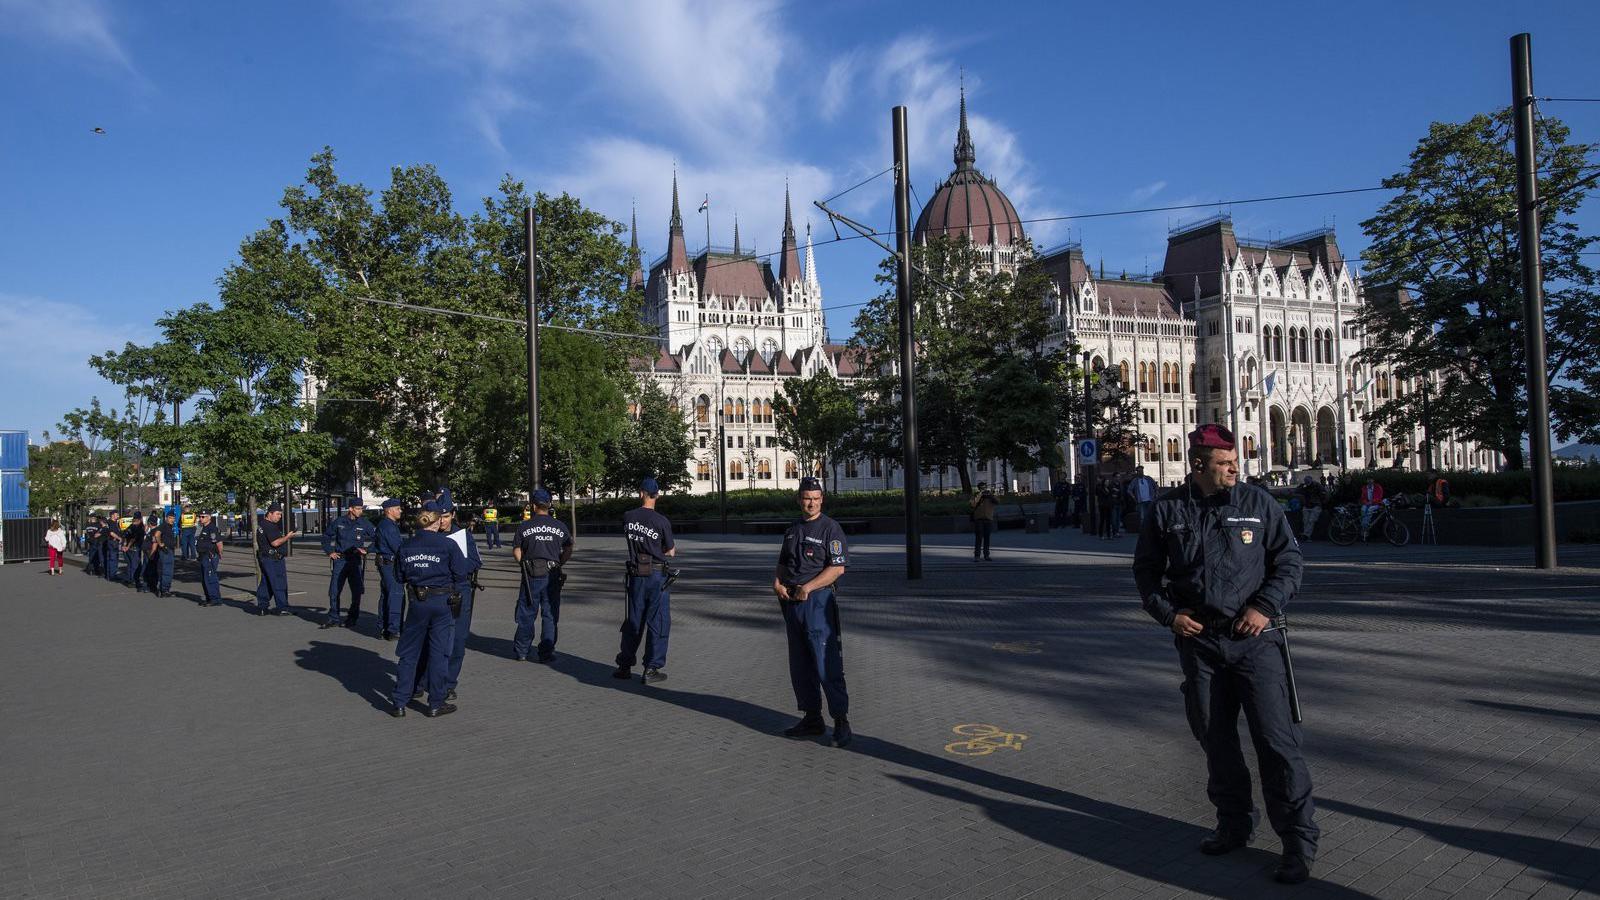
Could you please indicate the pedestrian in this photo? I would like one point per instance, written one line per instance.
(133, 552)
(1371, 502)
(111, 546)
(811, 562)
(1216, 564)
(1142, 491)
(542, 546)
(491, 528)
(434, 571)
(165, 551)
(92, 534)
(208, 546)
(1106, 504)
(983, 506)
(1312, 497)
(649, 615)
(152, 556)
(55, 542)
(391, 595)
(346, 541)
(1119, 498)
(186, 535)
(271, 540)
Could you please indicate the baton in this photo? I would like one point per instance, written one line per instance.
(1281, 623)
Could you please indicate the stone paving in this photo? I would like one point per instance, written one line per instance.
(154, 748)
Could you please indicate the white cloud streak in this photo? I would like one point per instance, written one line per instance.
(45, 367)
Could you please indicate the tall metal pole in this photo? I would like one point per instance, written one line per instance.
(531, 250)
(908, 395)
(1544, 510)
(722, 471)
(176, 422)
(1089, 505)
(1427, 426)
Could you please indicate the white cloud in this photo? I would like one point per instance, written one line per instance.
(1145, 192)
(838, 85)
(84, 25)
(45, 367)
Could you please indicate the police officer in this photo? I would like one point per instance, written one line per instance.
(543, 544)
(462, 610)
(270, 541)
(491, 528)
(649, 536)
(208, 543)
(133, 552)
(812, 560)
(166, 547)
(391, 596)
(92, 558)
(186, 535)
(435, 571)
(1216, 563)
(111, 546)
(346, 540)
(152, 553)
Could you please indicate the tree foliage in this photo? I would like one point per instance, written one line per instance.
(1449, 238)
(981, 338)
(655, 445)
(814, 418)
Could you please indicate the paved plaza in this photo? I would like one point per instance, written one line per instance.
(1019, 733)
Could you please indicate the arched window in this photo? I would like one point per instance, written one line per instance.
(1249, 445)
(763, 471)
(1194, 388)
(1097, 364)
(1174, 452)
(1305, 345)
(736, 470)
(769, 350)
(702, 471)
(1277, 343)
(702, 410)
(791, 469)
(738, 411)
(1123, 373)
(741, 348)
(1144, 378)
(727, 410)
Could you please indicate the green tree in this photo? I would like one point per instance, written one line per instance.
(656, 444)
(105, 434)
(62, 479)
(973, 325)
(1449, 240)
(815, 418)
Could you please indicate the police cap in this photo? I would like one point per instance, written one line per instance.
(809, 484)
(392, 502)
(274, 507)
(1213, 435)
(649, 486)
(541, 497)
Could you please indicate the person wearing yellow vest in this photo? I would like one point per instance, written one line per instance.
(186, 529)
(491, 527)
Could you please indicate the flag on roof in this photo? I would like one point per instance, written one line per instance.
(705, 204)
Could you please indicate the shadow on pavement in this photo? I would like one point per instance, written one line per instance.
(365, 673)
(1571, 865)
(1079, 824)
(1537, 710)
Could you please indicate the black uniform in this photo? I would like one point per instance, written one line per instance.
(816, 645)
(1215, 556)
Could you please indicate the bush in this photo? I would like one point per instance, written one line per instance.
(744, 503)
(1499, 488)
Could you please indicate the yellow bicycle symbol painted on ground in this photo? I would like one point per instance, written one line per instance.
(1019, 646)
(982, 740)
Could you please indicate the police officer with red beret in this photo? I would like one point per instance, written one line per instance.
(1216, 564)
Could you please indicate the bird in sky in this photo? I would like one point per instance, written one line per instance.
(99, 130)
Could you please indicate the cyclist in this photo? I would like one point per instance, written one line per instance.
(1371, 502)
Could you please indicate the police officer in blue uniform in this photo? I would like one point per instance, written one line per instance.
(813, 558)
(346, 540)
(542, 546)
(165, 553)
(94, 552)
(434, 571)
(208, 543)
(133, 552)
(649, 618)
(1216, 564)
(152, 558)
(270, 541)
(111, 546)
(468, 590)
(391, 595)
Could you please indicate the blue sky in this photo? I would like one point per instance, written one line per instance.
(211, 109)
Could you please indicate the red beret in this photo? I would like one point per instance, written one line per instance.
(1211, 436)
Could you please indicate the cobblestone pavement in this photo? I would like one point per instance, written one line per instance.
(154, 748)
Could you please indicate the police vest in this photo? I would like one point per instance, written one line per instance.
(188, 520)
(491, 515)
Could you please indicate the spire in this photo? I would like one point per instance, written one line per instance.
(789, 265)
(677, 252)
(966, 157)
(735, 234)
(635, 278)
(811, 260)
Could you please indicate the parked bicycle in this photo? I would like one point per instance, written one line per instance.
(1345, 527)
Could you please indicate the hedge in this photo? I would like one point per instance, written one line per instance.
(744, 503)
(1569, 483)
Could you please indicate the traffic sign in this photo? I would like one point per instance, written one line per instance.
(1088, 451)
(174, 475)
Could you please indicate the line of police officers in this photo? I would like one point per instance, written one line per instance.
(1216, 563)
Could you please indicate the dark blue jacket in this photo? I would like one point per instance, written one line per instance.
(1216, 554)
(345, 534)
(430, 559)
(389, 538)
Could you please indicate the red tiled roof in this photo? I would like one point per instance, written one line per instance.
(1137, 298)
(846, 360)
(730, 363)
(727, 276)
(783, 365)
(757, 365)
(1199, 254)
(969, 203)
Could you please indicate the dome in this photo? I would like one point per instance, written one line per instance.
(969, 202)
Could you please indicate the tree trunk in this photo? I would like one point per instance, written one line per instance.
(255, 534)
(966, 477)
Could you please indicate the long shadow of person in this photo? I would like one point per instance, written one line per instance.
(1537, 710)
(1129, 839)
(365, 673)
(1568, 864)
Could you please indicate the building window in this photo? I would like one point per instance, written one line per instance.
(702, 410)
(791, 469)
(851, 470)
(702, 471)
(1174, 452)
(741, 442)
(702, 442)
(764, 471)
(1172, 417)
(736, 470)
(1355, 447)
(877, 468)
(1149, 416)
